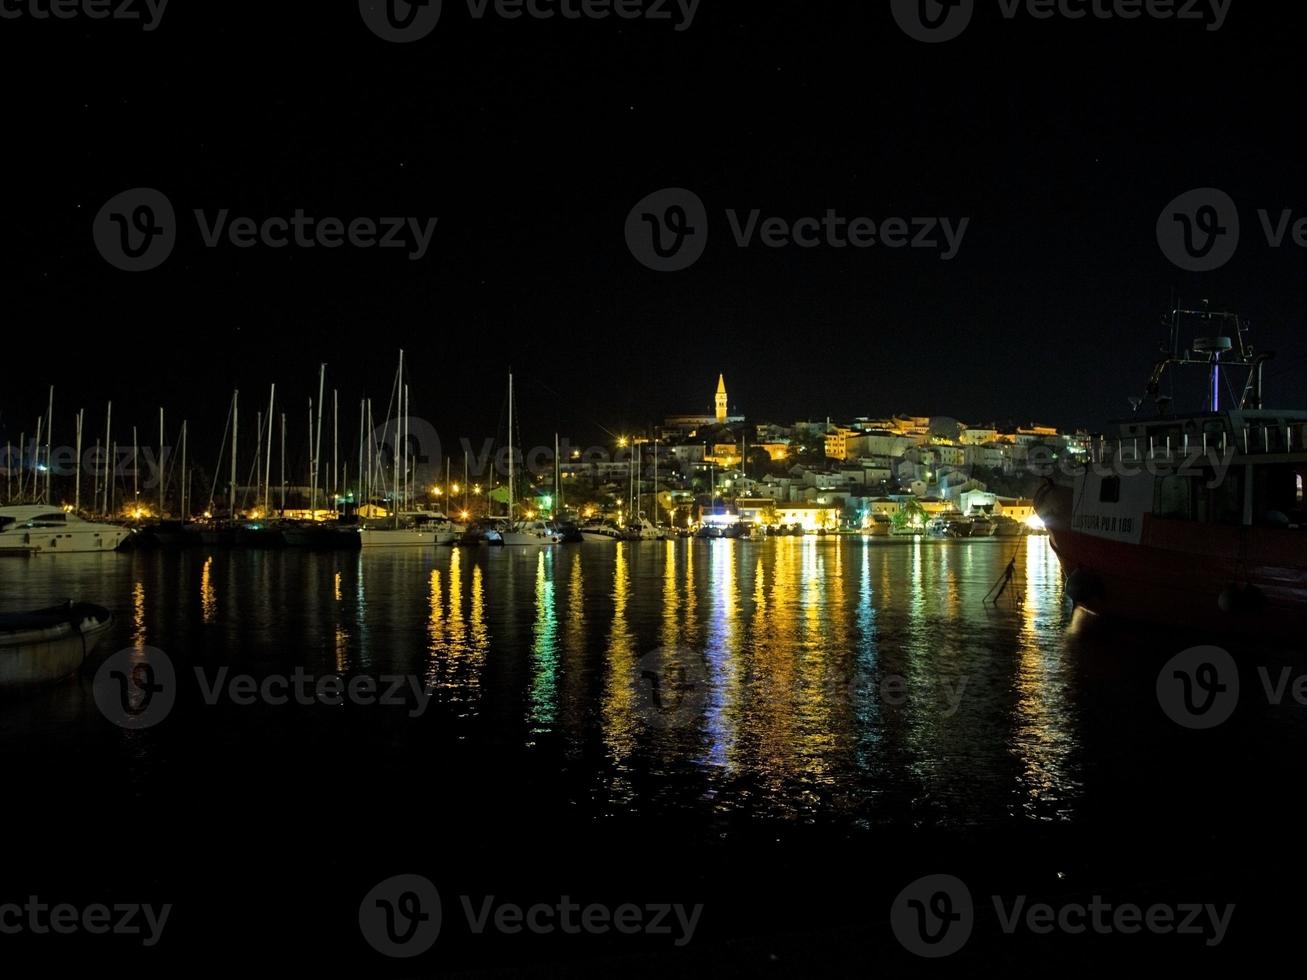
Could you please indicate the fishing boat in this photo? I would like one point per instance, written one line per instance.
(1196, 519)
(36, 529)
(48, 644)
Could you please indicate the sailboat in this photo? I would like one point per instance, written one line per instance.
(531, 533)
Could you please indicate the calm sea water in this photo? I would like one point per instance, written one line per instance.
(737, 723)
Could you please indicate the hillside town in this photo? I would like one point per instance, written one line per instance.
(878, 474)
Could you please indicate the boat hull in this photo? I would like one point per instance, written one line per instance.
(51, 645)
(1207, 578)
(396, 538)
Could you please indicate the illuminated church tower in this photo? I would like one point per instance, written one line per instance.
(721, 399)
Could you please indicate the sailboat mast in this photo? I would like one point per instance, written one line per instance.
(108, 470)
(162, 487)
(317, 442)
(399, 401)
(49, 445)
(408, 477)
(511, 498)
(359, 498)
(267, 456)
(235, 428)
(335, 446)
(77, 490)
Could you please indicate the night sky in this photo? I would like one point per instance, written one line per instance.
(531, 141)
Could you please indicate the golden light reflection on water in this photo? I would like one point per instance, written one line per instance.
(139, 636)
(619, 719)
(1043, 726)
(797, 635)
(455, 632)
(208, 596)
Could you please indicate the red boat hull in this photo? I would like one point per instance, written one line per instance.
(1210, 578)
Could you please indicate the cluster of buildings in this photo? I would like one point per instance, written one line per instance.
(823, 475)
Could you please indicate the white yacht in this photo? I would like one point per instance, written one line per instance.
(420, 529)
(39, 529)
(528, 533)
(600, 531)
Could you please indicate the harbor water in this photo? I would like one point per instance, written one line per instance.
(726, 723)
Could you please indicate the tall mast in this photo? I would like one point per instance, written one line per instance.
(77, 492)
(335, 447)
(408, 477)
(267, 456)
(358, 499)
(258, 455)
(49, 444)
(136, 469)
(108, 470)
(235, 428)
(655, 486)
(36, 461)
(162, 488)
(317, 441)
(558, 492)
(399, 401)
(511, 499)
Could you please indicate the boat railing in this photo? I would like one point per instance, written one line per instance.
(1262, 439)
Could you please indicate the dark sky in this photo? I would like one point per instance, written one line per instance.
(1061, 141)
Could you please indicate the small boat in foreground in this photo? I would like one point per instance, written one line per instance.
(48, 644)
